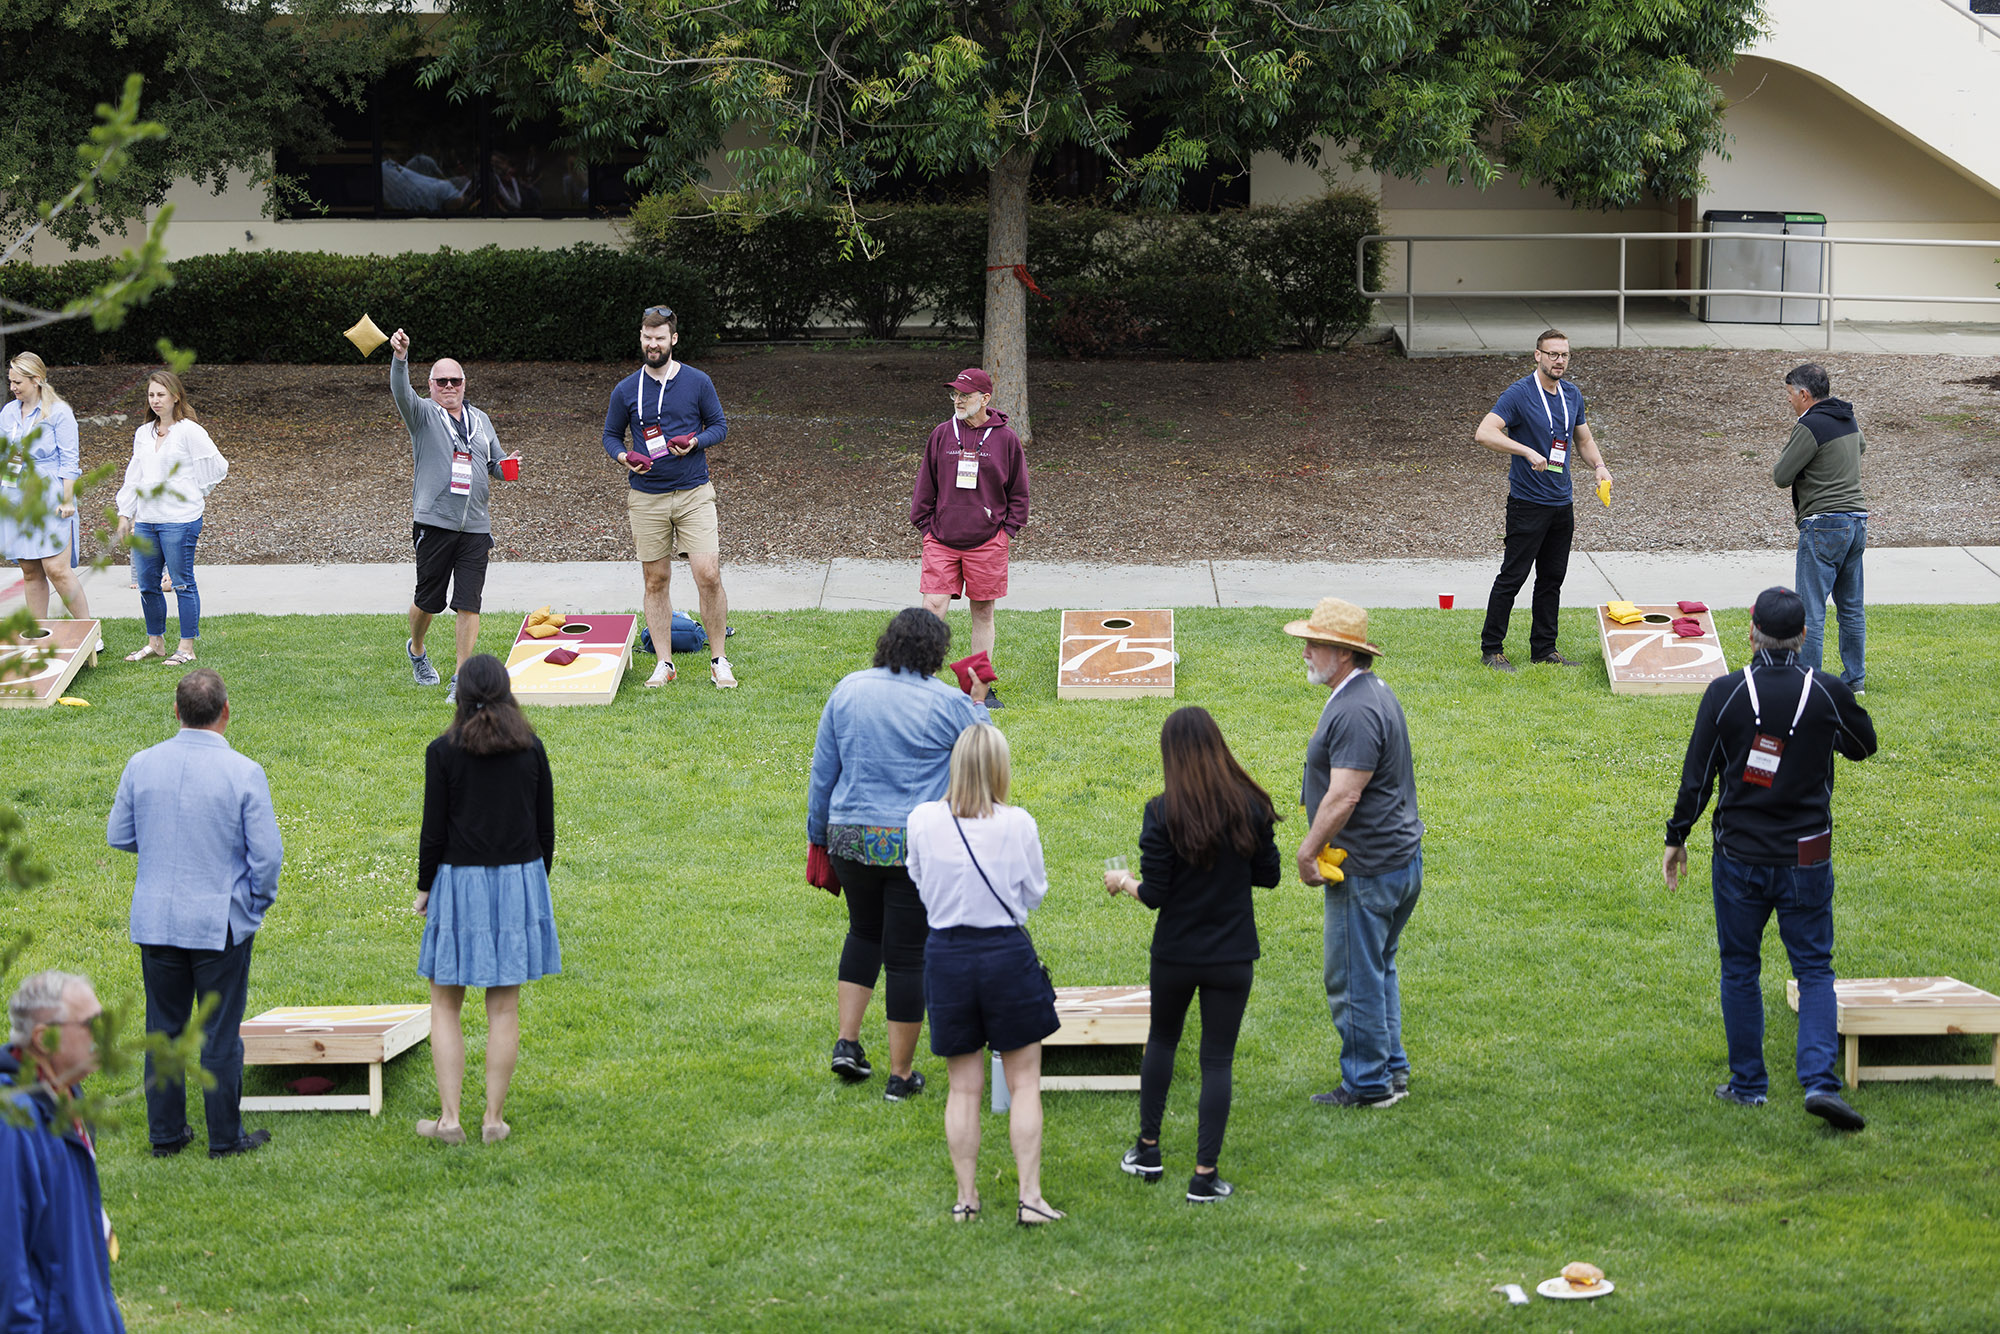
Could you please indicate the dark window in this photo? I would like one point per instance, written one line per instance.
(413, 152)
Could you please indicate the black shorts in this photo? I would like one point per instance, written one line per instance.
(445, 555)
(983, 987)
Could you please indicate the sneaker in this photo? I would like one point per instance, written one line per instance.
(1728, 1093)
(1347, 1097)
(1833, 1109)
(256, 1139)
(661, 674)
(1555, 659)
(1400, 1082)
(1204, 1187)
(1143, 1160)
(718, 672)
(901, 1088)
(993, 699)
(451, 691)
(420, 664)
(850, 1062)
(1497, 661)
(174, 1146)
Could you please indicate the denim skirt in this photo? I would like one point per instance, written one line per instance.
(489, 926)
(983, 987)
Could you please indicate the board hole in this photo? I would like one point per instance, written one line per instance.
(1657, 618)
(576, 629)
(1117, 623)
(41, 632)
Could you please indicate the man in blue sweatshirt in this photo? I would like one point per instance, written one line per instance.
(674, 418)
(1822, 466)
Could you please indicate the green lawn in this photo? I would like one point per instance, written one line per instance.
(681, 1157)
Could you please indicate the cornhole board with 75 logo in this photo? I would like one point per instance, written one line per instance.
(1648, 658)
(1115, 654)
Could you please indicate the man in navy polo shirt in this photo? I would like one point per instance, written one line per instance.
(1539, 420)
(673, 416)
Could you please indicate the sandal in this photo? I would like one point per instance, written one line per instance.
(179, 659)
(1043, 1216)
(443, 1134)
(147, 652)
(964, 1213)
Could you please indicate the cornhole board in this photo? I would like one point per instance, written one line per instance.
(332, 1035)
(1648, 658)
(1115, 654)
(1091, 1017)
(46, 660)
(603, 646)
(1908, 1007)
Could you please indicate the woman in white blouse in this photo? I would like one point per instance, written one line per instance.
(174, 467)
(45, 551)
(978, 866)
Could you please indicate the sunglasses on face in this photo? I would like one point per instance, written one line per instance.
(447, 381)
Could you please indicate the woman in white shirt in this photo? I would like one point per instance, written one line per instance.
(978, 867)
(174, 467)
(45, 551)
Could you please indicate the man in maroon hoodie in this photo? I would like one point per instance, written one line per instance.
(971, 498)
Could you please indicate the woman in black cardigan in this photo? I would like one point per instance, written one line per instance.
(488, 841)
(1205, 841)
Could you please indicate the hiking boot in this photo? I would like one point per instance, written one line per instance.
(1728, 1093)
(850, 1062)
(1206, 1187)
(1497, 661)
(1347, 1097)
(420, 664)
(1833, 1109)
(901, 1088)
(1142, 1160)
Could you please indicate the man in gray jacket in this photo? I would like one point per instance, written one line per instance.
(1822, 466)
(456, 453)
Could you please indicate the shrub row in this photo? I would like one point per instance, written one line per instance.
(580, 304)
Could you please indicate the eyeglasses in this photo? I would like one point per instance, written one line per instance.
(447, 381)
(664, 312)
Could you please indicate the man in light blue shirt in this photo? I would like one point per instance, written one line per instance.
(199, 816)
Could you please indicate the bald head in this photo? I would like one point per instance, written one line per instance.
(448, 384)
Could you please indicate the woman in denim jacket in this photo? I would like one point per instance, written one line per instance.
(46, 552)
(884, 748)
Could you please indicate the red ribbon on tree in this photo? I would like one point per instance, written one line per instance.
(1021, 272)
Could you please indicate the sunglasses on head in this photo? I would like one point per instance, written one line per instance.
(447, 381)
(664, 312)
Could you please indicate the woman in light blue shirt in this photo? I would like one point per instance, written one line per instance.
(45, 550)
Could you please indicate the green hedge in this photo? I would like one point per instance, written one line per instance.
(580, 304)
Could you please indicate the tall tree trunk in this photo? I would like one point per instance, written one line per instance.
(1006, 354)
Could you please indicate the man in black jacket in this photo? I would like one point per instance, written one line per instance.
(1769, 734)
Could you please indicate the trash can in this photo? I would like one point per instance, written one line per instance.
(1766, 266)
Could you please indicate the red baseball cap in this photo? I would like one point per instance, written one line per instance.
(972, 380)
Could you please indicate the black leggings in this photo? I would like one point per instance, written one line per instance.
(1225, 993)
(886, 926)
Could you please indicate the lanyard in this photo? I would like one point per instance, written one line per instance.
(639, 399)
(460, 426)
(1545, 407)
(959, 440)
(1757, 706)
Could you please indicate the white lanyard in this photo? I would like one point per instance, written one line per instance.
(461, 432)
(1757, 707)
(639, 399)
(1550, 415)
(959, 440)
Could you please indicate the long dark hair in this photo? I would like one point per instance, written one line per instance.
(1210, 802)
(488, 721)
(914, 641)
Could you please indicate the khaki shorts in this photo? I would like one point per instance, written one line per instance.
(674, 523)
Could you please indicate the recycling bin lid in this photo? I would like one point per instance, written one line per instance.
(1743, 215)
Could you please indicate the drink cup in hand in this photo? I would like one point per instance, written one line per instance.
(510, 468)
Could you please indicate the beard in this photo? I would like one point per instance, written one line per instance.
(1314, 676)
(961, 414)
(657, 357)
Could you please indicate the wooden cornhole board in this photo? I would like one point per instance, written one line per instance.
(1091, 1017)
(55, 652)
(603, 646)
(1909, 1007)
(1648, 658)
(332, 1035)
(1115, 654)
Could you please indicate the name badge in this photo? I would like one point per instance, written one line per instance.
(1558, 454)
(968, 473)
(655, 440)
(461, 473)
(1763, 762)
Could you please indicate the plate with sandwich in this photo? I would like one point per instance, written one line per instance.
(1580, 1279)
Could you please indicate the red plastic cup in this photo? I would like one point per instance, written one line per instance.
(1444, 601)
(510, 469)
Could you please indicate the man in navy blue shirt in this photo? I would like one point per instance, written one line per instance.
(1539, 421)
(673, 417)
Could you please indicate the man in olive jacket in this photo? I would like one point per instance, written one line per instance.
(1822, 466)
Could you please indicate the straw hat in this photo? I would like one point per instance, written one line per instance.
(1335, 622)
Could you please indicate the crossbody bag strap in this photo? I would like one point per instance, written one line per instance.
(1020, 926)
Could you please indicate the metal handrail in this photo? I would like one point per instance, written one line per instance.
(1824, 297)
(1964, 11)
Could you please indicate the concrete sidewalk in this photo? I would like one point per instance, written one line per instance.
(1719, 578)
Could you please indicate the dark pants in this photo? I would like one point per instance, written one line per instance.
(1225, 992)
(886, 927)
(1746, 897)
(175, 979)
(1538, 538)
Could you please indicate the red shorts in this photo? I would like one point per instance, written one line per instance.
(980, 574)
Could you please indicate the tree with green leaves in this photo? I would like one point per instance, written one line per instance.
(1605, 101)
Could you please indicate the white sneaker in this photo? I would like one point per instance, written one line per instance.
(718, 672)
(661, 674)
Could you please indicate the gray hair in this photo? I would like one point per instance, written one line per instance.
(1763, 643)
(1812, 378)
(39, 1002)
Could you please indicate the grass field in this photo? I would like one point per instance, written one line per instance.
(682, 1159)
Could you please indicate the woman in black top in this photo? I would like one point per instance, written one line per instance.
(1205, 841)
(489, 839)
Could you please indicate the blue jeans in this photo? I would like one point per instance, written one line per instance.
(172, 546)
(1365, 916)
(175, 979)
(1802, 897)
(1829, 562)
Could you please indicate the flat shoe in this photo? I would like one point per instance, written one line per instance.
(147, 652)
(179, 659)
(1040, 1217)
(442, 1134)
(494, 1134)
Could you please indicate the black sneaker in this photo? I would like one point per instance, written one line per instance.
(1347, 1097)
(1497, 661)
(993, 699)
(256, 1139)
(1399, 1082)
(1143, 1160)
(1205, 1187)
(901, 1088)
(850, 1062)
(173, 1146)
(1555, 659)
(1728, 1093)
(1833, 1109)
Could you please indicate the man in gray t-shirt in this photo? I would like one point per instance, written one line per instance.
(1360, 794)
